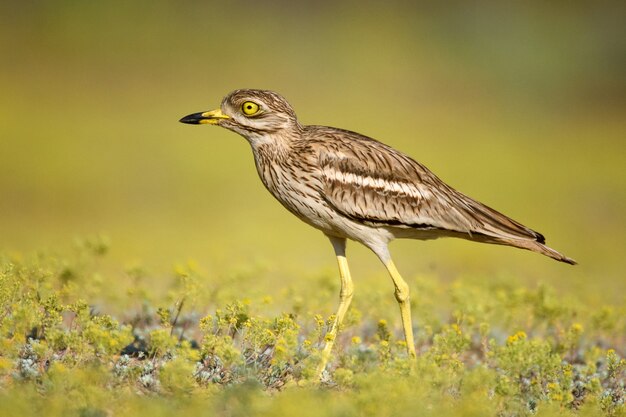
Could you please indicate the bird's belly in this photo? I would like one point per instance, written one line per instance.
(301, 197)
(305, 204)
(308, 204)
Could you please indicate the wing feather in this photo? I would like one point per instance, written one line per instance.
(368, 181)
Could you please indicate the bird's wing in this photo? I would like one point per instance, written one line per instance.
(370, 182)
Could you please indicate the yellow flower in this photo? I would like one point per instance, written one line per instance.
(577, 328)
(516, 337)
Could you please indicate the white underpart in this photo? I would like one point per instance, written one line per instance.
(381, 184)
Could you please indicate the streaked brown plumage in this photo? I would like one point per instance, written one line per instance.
(351, 186)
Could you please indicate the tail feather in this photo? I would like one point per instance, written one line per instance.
(544, 250)
(500, 229)
(535, 246)
(490, 226)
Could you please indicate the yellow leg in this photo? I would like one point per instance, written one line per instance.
(402, 295)
(345, 297)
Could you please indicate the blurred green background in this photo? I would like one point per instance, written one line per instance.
(520, 106)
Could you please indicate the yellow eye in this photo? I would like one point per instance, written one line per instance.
(249, 108)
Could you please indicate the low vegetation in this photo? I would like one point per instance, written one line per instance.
(493, 349)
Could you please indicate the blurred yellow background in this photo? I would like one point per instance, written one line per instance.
(519, 106)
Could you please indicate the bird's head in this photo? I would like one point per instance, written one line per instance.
(251, 113)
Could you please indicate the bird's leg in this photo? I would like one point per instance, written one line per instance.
(345, 297)
(402, 295)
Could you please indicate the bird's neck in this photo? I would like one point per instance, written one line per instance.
(269, 148)
(271, 158)
(278, 143)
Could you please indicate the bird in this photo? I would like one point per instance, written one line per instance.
(351, 186)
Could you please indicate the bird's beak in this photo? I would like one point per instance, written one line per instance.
(204, 118)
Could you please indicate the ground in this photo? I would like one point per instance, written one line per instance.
(484, 348)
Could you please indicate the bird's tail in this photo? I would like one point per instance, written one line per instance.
(531, 245)
(544, 250)
(497, 228)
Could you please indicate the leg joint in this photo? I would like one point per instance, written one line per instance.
(402, 292)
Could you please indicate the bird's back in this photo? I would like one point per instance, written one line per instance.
(376, 185)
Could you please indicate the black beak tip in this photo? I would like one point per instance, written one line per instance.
(192, 119)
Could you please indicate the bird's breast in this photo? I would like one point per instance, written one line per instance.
(295, 185)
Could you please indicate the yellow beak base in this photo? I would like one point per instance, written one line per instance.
(205, 118)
